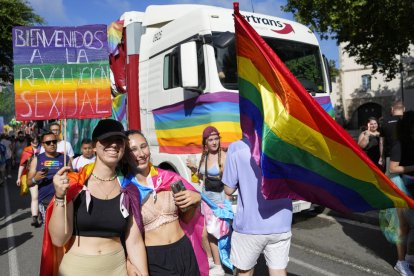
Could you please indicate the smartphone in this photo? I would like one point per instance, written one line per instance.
(177, 186)
(44, 170)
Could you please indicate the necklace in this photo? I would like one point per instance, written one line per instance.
(107, 194)
(105, 180)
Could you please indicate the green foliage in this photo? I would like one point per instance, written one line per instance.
(7, 104)
(13, 13)
(333, 71)
(376, 31)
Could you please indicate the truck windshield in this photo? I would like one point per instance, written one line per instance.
(302, 59)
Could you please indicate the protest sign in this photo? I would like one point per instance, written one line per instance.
(61, 72)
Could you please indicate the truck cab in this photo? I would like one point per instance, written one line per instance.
(189, 50)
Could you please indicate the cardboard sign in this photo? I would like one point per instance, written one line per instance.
(61, 72)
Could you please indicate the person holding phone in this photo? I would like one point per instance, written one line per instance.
(42, 169)
(172, 221)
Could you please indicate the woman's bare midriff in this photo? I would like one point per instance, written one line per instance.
(94, 245)
(165, 234)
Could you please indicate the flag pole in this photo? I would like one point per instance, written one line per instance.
(236, 7)
(64, 164)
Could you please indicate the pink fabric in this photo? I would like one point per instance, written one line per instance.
(215, 226)
(194, 228)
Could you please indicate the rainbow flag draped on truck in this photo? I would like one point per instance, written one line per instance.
(303, 153)
(179, 126)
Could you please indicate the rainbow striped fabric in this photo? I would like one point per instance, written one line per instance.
(61, 72)
(115, 36)
(303, 153)
(179, 127)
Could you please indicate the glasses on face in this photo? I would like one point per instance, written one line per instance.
(50, 142)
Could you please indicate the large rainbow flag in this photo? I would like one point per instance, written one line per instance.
(61, 72)
(179, 126)
(303, 153)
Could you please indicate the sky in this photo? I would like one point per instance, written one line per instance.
(84, 12)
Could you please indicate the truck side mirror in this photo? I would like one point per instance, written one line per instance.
(189, 65)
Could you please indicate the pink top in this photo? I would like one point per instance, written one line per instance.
(159, 211)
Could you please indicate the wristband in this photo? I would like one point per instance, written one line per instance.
(59, 198)
(59, 202)
(34, 181)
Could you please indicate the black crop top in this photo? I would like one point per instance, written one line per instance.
(103, 220)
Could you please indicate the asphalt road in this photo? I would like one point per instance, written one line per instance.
(321, 245)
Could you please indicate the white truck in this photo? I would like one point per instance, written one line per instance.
(177, 48)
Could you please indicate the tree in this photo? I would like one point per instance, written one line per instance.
(377, 32)
(7, 104)
(13, 13)
(333, 71)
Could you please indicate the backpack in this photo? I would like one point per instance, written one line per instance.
(2, 154)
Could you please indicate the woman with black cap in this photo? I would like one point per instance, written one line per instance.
(99, 212)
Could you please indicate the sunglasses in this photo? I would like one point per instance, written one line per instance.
(50, 142)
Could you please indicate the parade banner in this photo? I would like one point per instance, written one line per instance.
(61, 72)
(302, 152)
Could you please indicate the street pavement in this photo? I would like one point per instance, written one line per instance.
(326, 244)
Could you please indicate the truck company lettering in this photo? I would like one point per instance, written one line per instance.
(281, 28)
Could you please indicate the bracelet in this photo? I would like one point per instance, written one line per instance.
(59, 202)
(58, 197)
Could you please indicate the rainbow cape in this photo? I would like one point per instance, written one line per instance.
(303, 153)
(179, 126)
(52, 255)
(162, 179)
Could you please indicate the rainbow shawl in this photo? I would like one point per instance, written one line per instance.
(52, 255)
(224, 213)
(162, 180)
(302, 152)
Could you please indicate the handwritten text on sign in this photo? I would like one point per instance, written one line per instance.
(61, 72)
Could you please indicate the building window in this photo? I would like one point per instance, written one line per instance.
(366, 82)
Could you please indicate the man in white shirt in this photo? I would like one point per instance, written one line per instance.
(55, 128)
(87, 157)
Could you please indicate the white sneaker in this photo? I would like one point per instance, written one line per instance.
(409, 259)
(403, 268)
(217, 270)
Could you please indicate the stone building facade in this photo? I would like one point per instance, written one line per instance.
(359, 94)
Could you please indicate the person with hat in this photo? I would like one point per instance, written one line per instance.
(210, 170)
(91, 213)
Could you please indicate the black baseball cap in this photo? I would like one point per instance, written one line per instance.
(107, 128)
